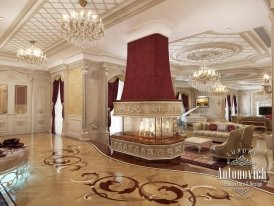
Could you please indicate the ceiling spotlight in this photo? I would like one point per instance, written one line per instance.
(1, 17)
(228, 29)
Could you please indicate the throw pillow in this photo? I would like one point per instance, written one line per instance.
(221, 127)
(205, 126)
(212, 127)
(230, 127)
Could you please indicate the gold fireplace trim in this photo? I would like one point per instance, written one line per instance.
(148, 108)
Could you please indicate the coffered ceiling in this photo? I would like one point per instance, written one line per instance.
(231, 36)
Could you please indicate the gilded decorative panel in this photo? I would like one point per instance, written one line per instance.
(75, 92)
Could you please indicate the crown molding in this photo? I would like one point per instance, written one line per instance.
(58, 68)
(134, 7)
(57, 47)
(111, 66)
(7, 56)
(27, 12)
(251, 38)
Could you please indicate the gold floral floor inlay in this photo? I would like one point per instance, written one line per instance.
(69, 172)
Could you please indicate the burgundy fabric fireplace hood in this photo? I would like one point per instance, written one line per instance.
(148, 90)
(148, 75)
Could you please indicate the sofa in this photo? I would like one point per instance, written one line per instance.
(217, 131)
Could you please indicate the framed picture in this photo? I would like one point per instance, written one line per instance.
(202, 101)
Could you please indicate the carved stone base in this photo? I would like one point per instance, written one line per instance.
(148, 151)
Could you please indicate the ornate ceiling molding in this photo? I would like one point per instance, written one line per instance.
(111, 66)
(28, 11)
(42, 16)
(208, 52)
(58, 68)
(218, 49)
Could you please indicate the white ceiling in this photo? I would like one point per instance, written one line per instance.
(195, 25)
(5, 11)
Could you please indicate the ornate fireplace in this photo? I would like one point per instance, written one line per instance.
(148, 104)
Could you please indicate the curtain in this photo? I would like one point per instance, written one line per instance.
(112, 95)
(235, 104)
(54, 99)
(185, 101)
(62, 95)
(177, 95)
(229, 107)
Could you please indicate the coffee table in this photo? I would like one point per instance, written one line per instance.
(198, 142)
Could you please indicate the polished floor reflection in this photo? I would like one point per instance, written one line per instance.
(64, 171)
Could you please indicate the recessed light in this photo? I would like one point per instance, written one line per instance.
(228, 29)
(1, 17)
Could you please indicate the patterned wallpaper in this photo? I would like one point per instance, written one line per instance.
(75, 92)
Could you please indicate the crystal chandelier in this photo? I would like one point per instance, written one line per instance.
(82, 28)
(266, 84)
(220, 91)
(32, 56)
(205, 79)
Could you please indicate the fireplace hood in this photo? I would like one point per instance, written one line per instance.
(148, 90)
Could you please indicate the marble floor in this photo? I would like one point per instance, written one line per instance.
(64, 171)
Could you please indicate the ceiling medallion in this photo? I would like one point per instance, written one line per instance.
(207, 52)
(83, 28)
(32, 56)
(205, 79)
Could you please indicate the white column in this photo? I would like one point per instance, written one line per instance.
(95, 109)
(84, 102)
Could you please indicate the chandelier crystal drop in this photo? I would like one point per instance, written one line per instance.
(220, 91)
(266, 84)
(83, 28)
(32, 56)
(205, 79)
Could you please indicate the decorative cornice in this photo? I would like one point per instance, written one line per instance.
(57, 47)
(111, 66)
(84, 64)
(58, 68)
(23, 70)
(120, 14)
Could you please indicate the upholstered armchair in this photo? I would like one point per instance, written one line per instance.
(247, 137)
(229, 149)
